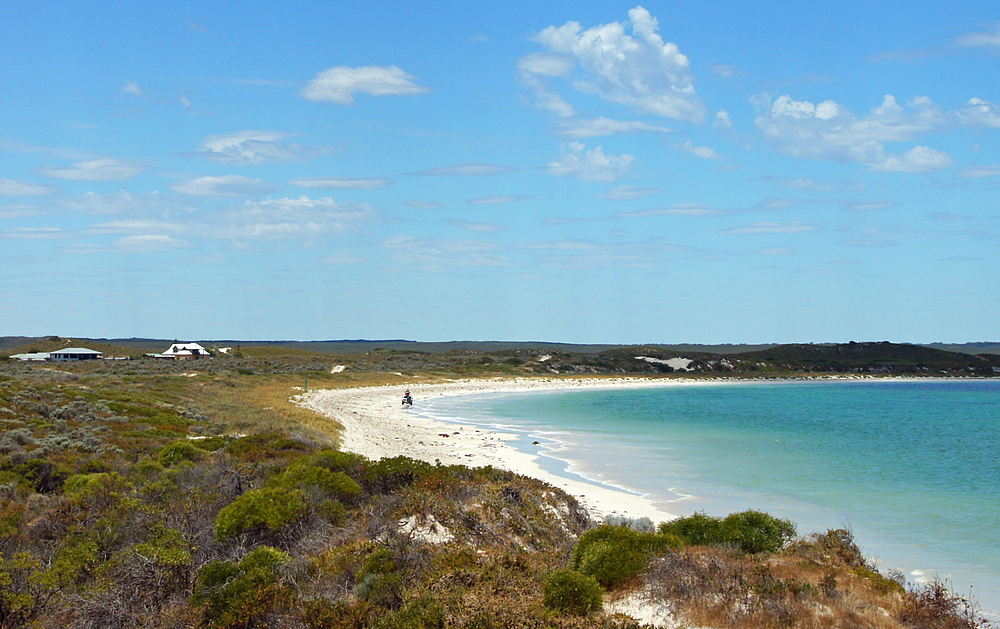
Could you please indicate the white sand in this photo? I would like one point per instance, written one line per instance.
(376, 426)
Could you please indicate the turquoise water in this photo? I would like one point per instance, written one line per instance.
(912, 467)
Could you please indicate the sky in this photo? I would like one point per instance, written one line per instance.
(580, 172)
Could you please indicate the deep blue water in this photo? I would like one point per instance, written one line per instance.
(912, 467)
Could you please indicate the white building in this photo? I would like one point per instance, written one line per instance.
(75, 353)
(185, 351)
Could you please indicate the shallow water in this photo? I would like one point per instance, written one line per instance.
(912, 467)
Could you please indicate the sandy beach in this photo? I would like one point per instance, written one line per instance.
(377, 426)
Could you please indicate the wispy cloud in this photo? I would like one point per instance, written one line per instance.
(339, 85)
(132, 88)
(771, 228)
(481, 227)
(301, 218)
(681, 209)
(627, 193)
(989, 39)
(498, 199)
(579, 129)
(979, 172)
(99, 169)
(256, 147)
(703, 152)
(224, 186)
(465, 170)
(424, 205)
(342, 183)
(15, 188)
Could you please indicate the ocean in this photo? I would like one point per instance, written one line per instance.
(912, 467)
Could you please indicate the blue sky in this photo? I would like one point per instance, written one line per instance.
(588, 172)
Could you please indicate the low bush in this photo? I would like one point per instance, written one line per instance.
(270, 509)
(244, 593)
(613, 554)
(750, 531)
(183, 450)
(572, 592)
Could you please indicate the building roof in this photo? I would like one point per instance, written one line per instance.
(185, 349)
(76, 350)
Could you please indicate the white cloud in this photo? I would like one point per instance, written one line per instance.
(638, 70)
(681, 209)
(703, 152)
(989, 40)
(590, 165)
(136, 226)
(15, 188)
(255, 147)
(34, 233)
(465, 170)
(147, 243)
(829, 131)
(919, 159)
(979, 172)
(498, 199)
(980, 113)
(303, 217)
(792, 227)
(722, 120)
(99, 169)
(443, 255)
(342, 183)
(338, 85)
(627, 193)
(424, 205)
(132, 88)
(122, 202)
(481, 227)
(723, 70)
(224, 186)
(579, 129)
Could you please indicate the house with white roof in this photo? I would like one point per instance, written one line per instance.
(185, 351)
(76, 353)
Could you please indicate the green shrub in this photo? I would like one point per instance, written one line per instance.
(573, 592)
(698, 529)
(750, 531)
(173, 453)
(757, 532)
(388, 475)
(264, 446)
(336, 484)
(242, 594)
(613, 554)
(270, 509)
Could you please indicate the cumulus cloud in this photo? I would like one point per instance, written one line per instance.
(255, 147)
(224, 186)
(627, 193)
(15, 188)
(638, 70)
(465, 170)
(590, 165)
(99, 169)
(339, 85)
(580, 129)
(827, 130)
(342, 183)
(980, 113)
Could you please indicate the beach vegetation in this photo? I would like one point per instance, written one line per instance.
(750, 531)
(573, 592)
(109, 518)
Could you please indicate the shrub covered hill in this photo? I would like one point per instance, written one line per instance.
(166, 495)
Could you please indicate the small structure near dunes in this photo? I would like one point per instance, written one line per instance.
(76, 353)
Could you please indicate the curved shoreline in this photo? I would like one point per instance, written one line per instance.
(376, 426)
